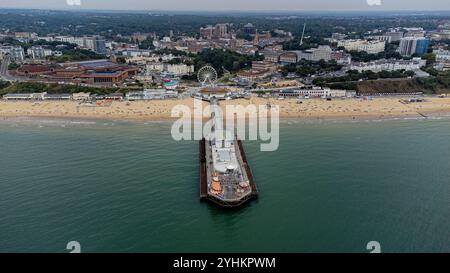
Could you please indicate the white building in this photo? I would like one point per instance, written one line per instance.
(442, 55)
(17, 96)
(415, 33)
(442, 66)
(180, 69)
(440, 35)
(38, 52)
(385, 38)
(390, 65)
(316, 54)
(317, 92)
(95, 43)
(24, 96)
(70, 39)
(395, 35)
(16, 53)
(46, 38)
(136, 53)
(371, 47)
(338, 36)
(151, 94)
(81, 96)
(175, 69)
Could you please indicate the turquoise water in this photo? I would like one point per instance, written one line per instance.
(128, 187)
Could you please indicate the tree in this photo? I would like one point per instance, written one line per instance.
(244, 36)
(220, 59)
(147, 44)
(13, 66)
(4, 84)
(430, 57)
(121, 60)
(175, 61)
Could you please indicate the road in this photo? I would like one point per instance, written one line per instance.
(4, 70)
(4, 67)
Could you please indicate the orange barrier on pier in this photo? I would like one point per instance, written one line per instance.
(205, 196)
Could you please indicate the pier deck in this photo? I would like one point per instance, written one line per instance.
(247, 169)
(225, 176)
(206, 176)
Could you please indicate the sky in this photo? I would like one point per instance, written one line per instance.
(247, 5)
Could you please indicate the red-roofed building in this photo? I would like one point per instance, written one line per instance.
(34, 70)
(100, 72)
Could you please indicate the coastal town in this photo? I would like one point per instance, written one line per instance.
(336, 73)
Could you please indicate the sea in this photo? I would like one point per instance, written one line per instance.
(332, 186)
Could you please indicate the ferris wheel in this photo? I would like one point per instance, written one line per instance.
(207, 75)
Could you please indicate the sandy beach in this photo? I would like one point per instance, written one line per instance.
(289, 108)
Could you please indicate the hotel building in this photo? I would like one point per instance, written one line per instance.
(412, 45)
(371, 47)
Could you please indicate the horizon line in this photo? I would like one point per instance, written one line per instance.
(78, 9)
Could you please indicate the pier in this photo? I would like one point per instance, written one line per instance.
(226, 178)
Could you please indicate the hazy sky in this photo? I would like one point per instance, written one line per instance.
(231, 4)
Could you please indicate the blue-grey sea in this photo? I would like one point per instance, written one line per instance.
(332, 186)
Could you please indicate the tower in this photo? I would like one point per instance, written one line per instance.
(256, 39)
(303, 34)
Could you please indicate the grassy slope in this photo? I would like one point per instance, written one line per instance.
(400, 86)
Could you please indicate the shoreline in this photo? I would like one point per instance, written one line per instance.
(312, 109)
(77, 119)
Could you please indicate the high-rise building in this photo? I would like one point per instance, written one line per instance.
(221, 30)
(413, 45)
(89, 43)
(407, 46)
(95, 43)
(214, 32)
(422, 46)
(100, 45)
(206, 32)
(249, 29)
